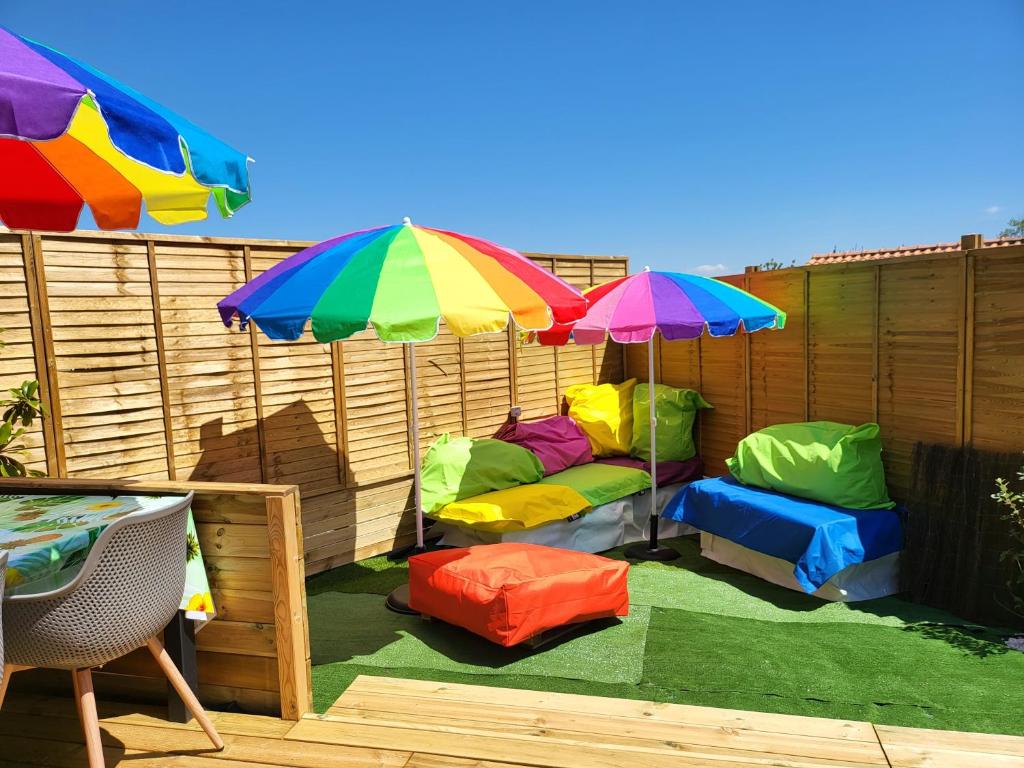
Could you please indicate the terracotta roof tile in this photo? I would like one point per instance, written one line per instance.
(840, 257)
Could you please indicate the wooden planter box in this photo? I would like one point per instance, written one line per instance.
(255, 655)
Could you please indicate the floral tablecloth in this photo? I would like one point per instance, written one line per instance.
(48, 538)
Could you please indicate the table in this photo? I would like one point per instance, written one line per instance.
(48, 538)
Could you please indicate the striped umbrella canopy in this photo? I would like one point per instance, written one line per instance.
(679, 306)
(402, 280)
(72, 136)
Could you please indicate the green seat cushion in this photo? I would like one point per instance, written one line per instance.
(675, 410)
(820, 460)
(601, 483)
(456, 468)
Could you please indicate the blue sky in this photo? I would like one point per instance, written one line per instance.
(679, 133)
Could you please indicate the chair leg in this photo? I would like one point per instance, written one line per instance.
(8, 671)
(183, 691)
(90, 719)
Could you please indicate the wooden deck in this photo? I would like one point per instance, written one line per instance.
(395, 723)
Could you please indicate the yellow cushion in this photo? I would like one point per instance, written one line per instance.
(514, 509)
(605, 413)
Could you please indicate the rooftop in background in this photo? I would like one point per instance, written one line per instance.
(966, 242)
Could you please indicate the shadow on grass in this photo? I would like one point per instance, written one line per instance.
(972, 640)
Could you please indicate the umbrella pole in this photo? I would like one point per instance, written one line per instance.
(416, 479)
(652, 550)
(398, 599)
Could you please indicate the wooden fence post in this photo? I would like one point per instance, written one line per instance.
(39, 310)
(161, 360)
(254, 345)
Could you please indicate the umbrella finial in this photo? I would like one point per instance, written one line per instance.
(646, 269)
(407, 221)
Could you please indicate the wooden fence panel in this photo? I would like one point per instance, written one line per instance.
(22, 355)
(778, 360)
(842, 344)
(995, 362)
(210, 401)
(920, 326)
(106, 367)
(297, 403)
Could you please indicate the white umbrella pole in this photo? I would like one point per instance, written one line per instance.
(650, 549)
(416, 482)
(654, 443)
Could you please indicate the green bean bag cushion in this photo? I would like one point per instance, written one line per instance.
(675, 410)
(456, 468)
(824, 461)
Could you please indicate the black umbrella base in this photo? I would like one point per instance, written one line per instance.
(643, 551)
(398, 601)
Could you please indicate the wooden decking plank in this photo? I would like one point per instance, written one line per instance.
(623, 708)
(499, 745)
(609, 730)
(422, 760)
(138, 714)
(192, 742)
(928, 748)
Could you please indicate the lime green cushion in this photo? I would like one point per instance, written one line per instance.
(675, 410)
(820, 460)
(459, 467)
(601, 483)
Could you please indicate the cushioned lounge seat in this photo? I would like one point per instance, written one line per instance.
(510, 593)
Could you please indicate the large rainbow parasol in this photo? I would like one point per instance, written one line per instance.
(72, 136)
(403, 280)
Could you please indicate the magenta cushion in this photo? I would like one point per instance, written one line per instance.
(668, 471)
(557, 441)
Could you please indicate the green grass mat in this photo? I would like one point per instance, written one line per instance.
(699, 633)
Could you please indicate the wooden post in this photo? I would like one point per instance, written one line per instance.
(748, 396)
(161, 362)
(254, 345)
(967, 364)
(807, 344)
(37, 321)
(876, 342)
(42, 301)
(289, 592)
(971, 242)
(340, 423)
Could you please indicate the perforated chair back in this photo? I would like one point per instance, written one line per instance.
(127, 591)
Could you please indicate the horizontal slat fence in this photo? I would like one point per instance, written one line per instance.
(142, 381)
(932, 348)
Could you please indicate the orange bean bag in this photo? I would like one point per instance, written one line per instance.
(509, 593)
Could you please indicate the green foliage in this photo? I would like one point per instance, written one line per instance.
(22, 408)
(1013, 505)
(773, 264)
(1014, 228)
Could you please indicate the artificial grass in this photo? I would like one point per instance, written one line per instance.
(699, 633)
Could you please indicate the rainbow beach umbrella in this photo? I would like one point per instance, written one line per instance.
(402, 281)
(678, 306)
(72, 136)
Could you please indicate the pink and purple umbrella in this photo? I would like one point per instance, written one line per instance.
(678, 306)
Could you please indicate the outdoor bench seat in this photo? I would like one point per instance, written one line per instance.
(831, 552)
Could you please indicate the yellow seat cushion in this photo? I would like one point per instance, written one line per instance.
(514, 509)
(605, 413)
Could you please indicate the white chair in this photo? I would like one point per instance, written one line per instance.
(125, 594)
